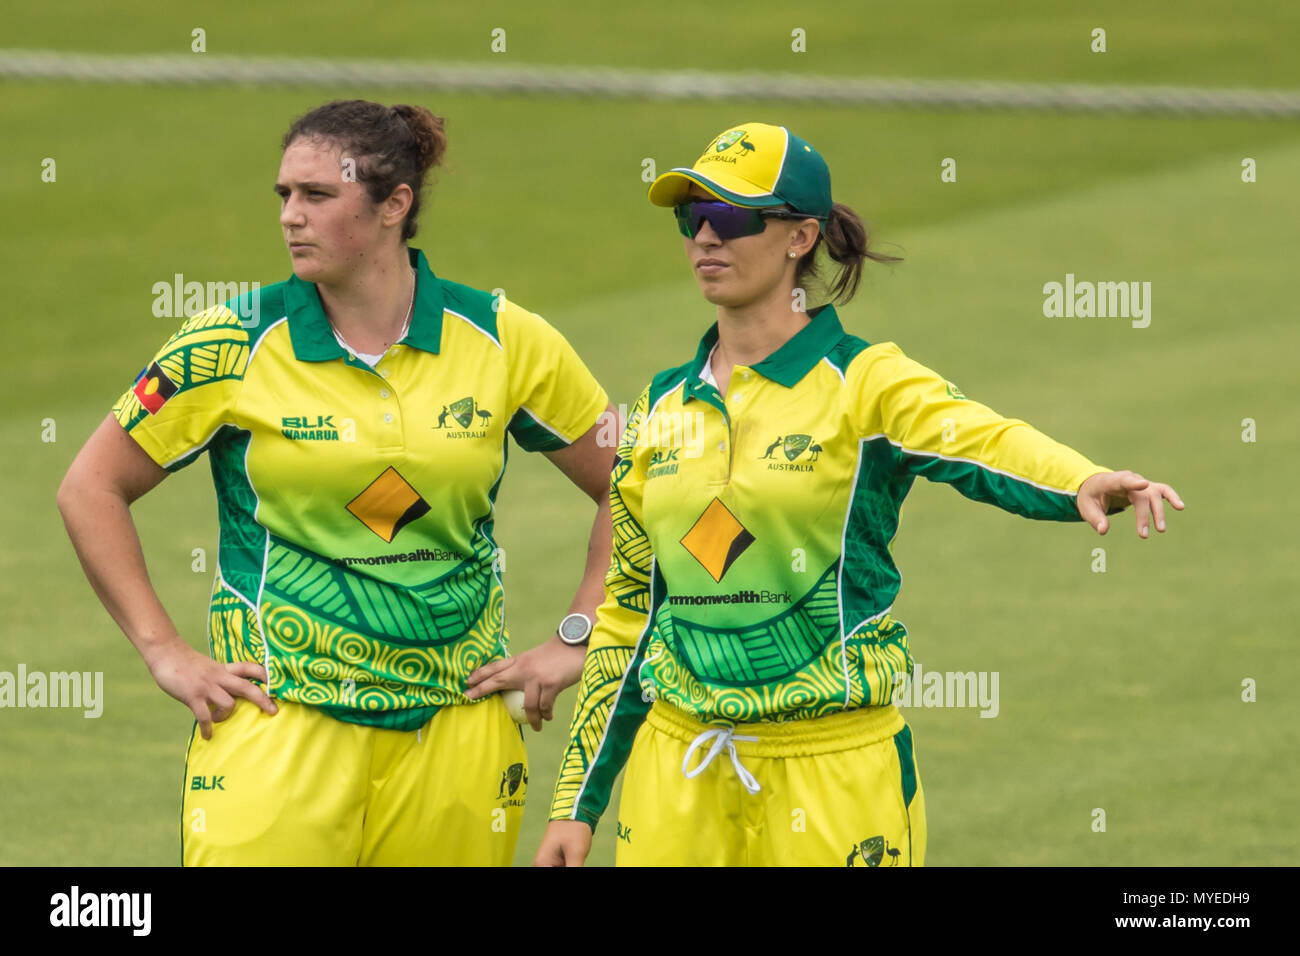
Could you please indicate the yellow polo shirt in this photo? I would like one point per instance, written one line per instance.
(356, 559)
(752, 576)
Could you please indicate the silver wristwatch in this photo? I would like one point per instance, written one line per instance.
(575, 629)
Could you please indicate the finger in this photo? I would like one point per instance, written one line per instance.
(1158, 509)
(1173, 497)
(530, 705)
(220, 704)
(249, 691)
(546, 702)
(1091, 512)
(1142, 508)
(204, 717)
(498, 682)
(1134, 482)
(247, 669)
(488, 670)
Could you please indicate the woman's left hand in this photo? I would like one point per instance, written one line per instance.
(1111, 489)
(540, 673)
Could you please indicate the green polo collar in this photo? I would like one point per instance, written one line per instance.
(313, 337)
(787, 365)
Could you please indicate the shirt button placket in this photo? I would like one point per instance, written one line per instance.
(386, 393)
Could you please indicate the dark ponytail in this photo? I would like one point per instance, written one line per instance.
(846, 241)
(391, 146)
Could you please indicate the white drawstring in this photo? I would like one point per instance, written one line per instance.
(723, 737)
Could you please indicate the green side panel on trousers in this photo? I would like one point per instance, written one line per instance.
(903, 743)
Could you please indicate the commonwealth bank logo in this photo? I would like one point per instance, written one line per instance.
(388, 504)
(717, 539)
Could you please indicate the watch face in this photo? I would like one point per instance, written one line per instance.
(575, 628)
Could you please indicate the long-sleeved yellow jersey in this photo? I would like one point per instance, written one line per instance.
(752, 576)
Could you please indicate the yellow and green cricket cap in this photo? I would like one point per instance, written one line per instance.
(754, 164)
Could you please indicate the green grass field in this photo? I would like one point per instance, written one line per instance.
(1118, 690)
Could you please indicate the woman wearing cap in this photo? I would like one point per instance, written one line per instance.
(355, 418)
(744, 661)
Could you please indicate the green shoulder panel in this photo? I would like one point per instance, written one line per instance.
(663, 383)
(479, 307)
(843, 354)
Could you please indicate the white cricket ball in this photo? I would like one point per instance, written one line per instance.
(513, 698)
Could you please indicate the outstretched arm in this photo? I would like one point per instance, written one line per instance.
(940, 434)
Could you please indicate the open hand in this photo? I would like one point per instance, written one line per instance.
(1112, 489)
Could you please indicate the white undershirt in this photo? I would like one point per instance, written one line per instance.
(370, 359)
(706, 373)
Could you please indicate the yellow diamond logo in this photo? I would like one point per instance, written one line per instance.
(388, 505)
(717, 539)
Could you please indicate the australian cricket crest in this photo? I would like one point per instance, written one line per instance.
(795, 445)
(463, 411)
(512, 778)
(871, 852)
(728, 139)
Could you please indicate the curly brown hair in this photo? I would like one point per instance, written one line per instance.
(392, 145)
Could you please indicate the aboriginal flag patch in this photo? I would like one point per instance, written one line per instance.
(153, 388)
